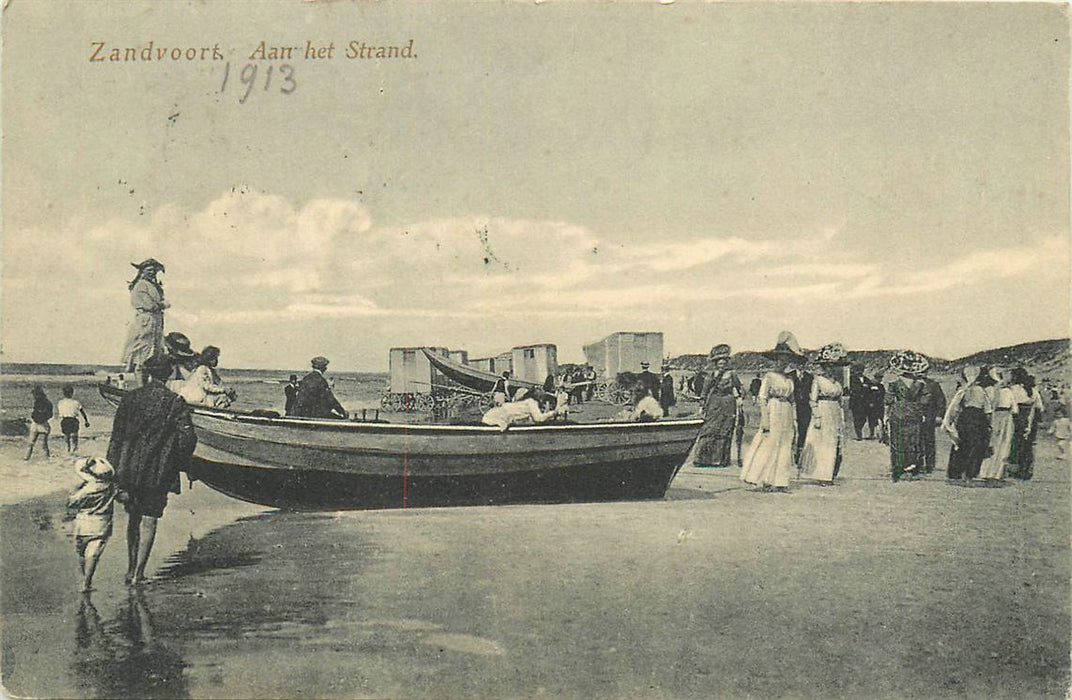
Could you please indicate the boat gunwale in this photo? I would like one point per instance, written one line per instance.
(340, 425)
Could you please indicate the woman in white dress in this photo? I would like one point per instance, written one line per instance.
(1002, 429)
(821, 457)
(204, 386)
(145, 332)
(768, 462)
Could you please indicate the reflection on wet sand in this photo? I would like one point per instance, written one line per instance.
(123, 657)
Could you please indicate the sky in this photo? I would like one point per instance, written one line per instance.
(880, 175)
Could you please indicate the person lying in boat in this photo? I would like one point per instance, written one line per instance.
(647, 408)
(204, 386)
(522, 409)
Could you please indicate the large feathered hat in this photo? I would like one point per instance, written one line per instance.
(832, 354)
(787, 349)
(910, 363)
(149, 262)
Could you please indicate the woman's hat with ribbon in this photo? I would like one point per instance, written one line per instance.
(178, 345)
(148, 263)
(909, 363)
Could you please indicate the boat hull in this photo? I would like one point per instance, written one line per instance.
(308, 464)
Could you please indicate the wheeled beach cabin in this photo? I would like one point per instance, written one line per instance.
(411, 372)
(623, 352)
(532, 363)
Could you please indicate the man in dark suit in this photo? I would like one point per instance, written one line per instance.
(802, 381)
(859, 399)
(649, 379)
(290, 389)
(314, 398)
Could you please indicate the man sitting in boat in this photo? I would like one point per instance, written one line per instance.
(523, 408)
(315, 399)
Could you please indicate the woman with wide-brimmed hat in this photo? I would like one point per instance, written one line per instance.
(820, 458)
(967, 420)
(720, 399)
(1002, 427)
(145, 332)
(906, 412)
(768, 462)
(1025, 421)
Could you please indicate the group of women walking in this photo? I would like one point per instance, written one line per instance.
(992, 419)
(993, 422)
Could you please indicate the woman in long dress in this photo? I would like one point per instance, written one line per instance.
(820, 458)
(721, 399)
(204, 385)
(967, 420)
(1029, 409)
(1002, 429)
(145, 332)
(768, 462)
(906, 410)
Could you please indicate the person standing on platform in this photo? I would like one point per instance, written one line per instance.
(315, 398)
(145, 332)
(152, 441)
(906, 411)
(935, 404)
(768, 462)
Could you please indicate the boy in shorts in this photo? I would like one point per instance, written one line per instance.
(94, 502)
(69, 409)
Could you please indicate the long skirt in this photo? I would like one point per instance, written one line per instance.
(145, 339)
(822, 446)
(1002, 429)
(973, 427)
(1022, 451)
(715, 443)
(769, 459)
(906, 443)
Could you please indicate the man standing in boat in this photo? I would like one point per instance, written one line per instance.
(314, 398)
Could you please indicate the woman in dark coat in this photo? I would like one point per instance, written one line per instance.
(720, 399)
(905, 413)
(666, 394)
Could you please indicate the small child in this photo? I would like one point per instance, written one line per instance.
(69, 409)
(95, 502)
(1062, 430)
(39, 418)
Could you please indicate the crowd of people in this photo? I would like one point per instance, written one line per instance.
(992, 419)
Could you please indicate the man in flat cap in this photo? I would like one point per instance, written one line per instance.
(314, 398)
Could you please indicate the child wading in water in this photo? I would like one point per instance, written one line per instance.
(69, 409)
(95, 502)
(39, 418)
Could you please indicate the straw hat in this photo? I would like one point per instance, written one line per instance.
(909, 363)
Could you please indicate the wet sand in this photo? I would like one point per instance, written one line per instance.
(865, 589)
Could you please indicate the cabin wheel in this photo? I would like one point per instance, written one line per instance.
(618, 394)
(425, 402)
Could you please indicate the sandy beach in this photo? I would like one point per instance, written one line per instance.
(865, 589)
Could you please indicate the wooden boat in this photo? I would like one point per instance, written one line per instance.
(315, 464)
(471, 377)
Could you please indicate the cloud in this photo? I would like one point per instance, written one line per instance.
(252, 264)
